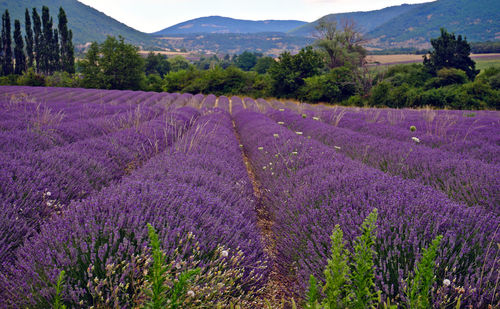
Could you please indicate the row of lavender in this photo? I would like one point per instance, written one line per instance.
(462, 178)
(474, 134)
(310, 187)
(69, 208)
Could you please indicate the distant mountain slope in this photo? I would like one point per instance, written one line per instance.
(87, 23)
(366, 21)
(478, 20)
(218, 24)
(271, 43)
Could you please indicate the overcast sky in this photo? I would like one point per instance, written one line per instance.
(155, 15)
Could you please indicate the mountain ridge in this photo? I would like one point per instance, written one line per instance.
(221, 24)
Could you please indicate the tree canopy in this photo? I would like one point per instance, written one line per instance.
(113, 64)
(450, 52)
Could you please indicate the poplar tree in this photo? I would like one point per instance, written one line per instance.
(7, 67)
(28, 38)
(55, 60)
(47, 37)
(37, 30)
(19, 49)
(67, 50)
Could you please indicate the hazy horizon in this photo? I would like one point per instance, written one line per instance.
(154, 15)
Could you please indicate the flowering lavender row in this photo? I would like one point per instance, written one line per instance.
(181, 100)
(208, 102)
(46, 136)
(250, 104)
(264, 106)
(310, 188)
(208, 196)
(236, 105)
(38, 184)
(223, 103)
(33, 114)
(462, 178)
(448, 126)
(474, 148)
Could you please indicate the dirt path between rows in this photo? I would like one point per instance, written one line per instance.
(277, 289)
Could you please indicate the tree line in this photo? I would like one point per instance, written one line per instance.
(332, 70)
(45, 49)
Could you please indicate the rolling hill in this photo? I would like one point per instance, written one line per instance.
(366, 21)
(414, 25)
(87, 23)
(219, 24)
(478, 20)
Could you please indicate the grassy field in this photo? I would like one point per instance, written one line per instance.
(382, 62)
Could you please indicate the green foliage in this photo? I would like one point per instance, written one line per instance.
(313, 295)
(341, 46)
(7, 67)
(335, 86)
(412, 86)
(157, 273)
(31, 78)
(247, 60)
(445, 77)
(113, 64)
(67, 49)
(418, 290)
(28, 37)
(57, 298)
(289, 72)
(157, 64)
(263, 65)
(337, 273)
(349, 281)
(20, 58)
(350, 277)
(362, 275)
(450, 52)
(178, 63)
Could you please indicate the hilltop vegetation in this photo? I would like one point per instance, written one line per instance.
(219, 24)
(477, 20)
(87, 23)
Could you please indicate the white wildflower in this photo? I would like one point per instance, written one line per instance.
(48, 193)
(190, 293)
(281, 122)
(298, 133)
(315, 118)
(281, 109)
(415, 139)
(294, 153)
(224, 253)
(241, 146)
(336, 147)
(446, 282)
(276, 135)
(260, 148)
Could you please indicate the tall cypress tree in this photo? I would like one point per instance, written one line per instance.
(67, 50)
(19, 49)
(55, 57)
(7, 67)
(47, 34)
(28, 37)
(37, 29)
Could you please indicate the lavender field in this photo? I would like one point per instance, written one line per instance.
(243, 194)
